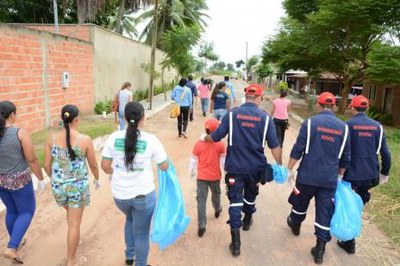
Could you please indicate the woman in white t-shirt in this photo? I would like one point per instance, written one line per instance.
(128, 156)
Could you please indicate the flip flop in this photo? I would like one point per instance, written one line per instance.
(22, 243)
(14, 260)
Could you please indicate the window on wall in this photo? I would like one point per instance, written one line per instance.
(372, 92)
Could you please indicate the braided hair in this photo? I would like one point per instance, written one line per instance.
(68, 113)
(6, 109)
(134, 112)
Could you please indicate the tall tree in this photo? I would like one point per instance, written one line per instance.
(337, 37)
(252, 61)
(206, 51)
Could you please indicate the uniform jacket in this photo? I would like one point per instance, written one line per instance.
(367, 141)
(246, 140)
(328, 149)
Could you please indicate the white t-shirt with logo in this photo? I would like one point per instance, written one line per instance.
(139, 181)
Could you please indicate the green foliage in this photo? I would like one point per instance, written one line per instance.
(384, 64)
(207, 51)
(103, 106)
(386, 119)
(373, 112)
(283, 86)
(230, 67)
(299, 9)
(239, 63)
(147, 68)
(252, 61)
(219, 65)
(264, 70)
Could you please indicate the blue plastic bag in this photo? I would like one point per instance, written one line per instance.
(280, 173)
(346, 222)
(169, 219)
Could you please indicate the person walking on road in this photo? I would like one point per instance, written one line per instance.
(204, 91)
(324, 146)
(367, 139)
(280, 112)
(220, 103)
(128, 156)
(207, 158)
(182, 95)
(230, 90)
(18, 159)
(248, 129)
(66, 153)
(193, 89)
(124, 96)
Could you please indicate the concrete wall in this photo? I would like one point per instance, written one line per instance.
(119, 59)
(31, 66)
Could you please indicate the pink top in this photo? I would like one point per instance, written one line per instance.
(204, 91)
(281, 108)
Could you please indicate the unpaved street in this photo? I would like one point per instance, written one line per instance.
(269, 241)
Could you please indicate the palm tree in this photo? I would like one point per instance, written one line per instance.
(171, 13)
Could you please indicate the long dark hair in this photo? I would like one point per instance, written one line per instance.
(182, 82)
(134, 112)
(6, 109)
(217, 88)
(68, 113)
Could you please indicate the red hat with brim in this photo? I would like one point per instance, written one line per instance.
(254, 89)
(211, 124)
(327, 98)
(359, 101)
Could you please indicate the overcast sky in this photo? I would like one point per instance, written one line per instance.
(233, 22)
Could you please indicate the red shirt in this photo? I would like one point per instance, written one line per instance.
(208, 155)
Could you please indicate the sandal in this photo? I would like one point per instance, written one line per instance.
(14, 260)
(22, 243)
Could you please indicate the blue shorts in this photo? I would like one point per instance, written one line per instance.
(72, 194)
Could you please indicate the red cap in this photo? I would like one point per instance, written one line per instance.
(359, 101)
(254, 89)
(211, 124)
(327, 98)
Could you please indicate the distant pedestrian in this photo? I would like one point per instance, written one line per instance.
(324, 146)
(367, 139)
(207, 159)
(128, 156)
(193, 89)
(124, 95)
(18, 159)
(220, 103)
(204, 91)
(66, 153)
(249, 129)
(230, 90)
(182, 95)
(280, 112)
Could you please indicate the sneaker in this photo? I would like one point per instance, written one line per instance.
(218, 213)
(184, 135)
(201, 232)
(129, 261)
(295, 228)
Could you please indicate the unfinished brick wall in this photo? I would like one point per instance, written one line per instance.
(31, 67)
(81, 32)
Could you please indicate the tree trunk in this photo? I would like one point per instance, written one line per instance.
(153, 54)
(64, 11)
(345, 94)
(121, 12)
(162, 84)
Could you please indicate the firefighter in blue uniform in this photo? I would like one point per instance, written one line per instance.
(248, 129)
(324, 145)
(367, 140)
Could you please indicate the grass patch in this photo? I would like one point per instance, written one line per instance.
(93, 127)
(385, 203)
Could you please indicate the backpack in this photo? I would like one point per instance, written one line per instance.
(115, 103)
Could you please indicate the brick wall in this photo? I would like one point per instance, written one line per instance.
(31, 66)
(81, 32)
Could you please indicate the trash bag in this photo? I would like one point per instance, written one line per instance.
(346, 222)
(280, 173)
(169, 219)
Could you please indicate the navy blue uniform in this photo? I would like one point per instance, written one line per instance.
(193, 88)
(248, 129)
(367, 141)
(324, 146)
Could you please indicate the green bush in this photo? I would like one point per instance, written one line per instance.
(373, 113)
(386, 119)
(283, 86)
(103, 106)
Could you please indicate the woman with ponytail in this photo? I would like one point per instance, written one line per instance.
(220, 101)
(18, 159)
(66, 153)
(128, 156)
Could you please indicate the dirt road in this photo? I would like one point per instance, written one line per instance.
(269, 242)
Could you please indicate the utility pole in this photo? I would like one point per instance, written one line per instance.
(153, 54)
(55, 10)
(247, 50)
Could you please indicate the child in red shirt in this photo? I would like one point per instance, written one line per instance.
(208, 158)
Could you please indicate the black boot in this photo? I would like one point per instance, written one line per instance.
(235, 245)
(247, 221)
(295, 227)
(348, 246)
(318, 251)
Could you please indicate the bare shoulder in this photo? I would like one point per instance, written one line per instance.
(85, 139)
(23, 134)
